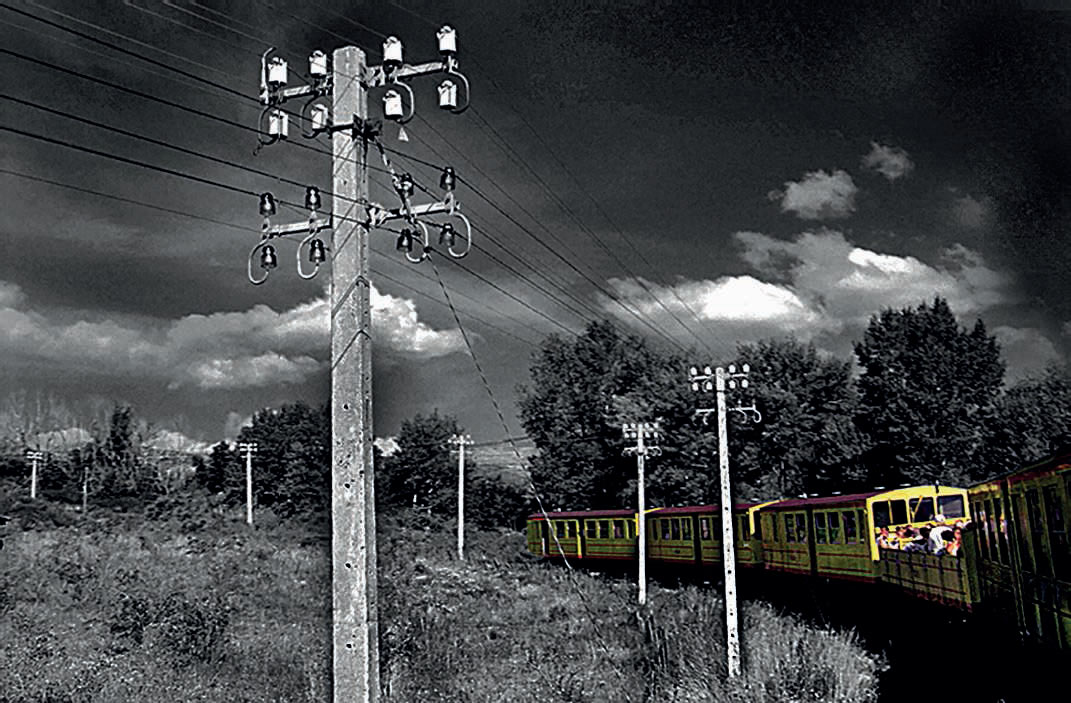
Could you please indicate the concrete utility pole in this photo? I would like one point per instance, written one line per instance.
(34, 456)
(461, 441)
(354, 606)
(641, 433)
(716, 380)
(250, 448)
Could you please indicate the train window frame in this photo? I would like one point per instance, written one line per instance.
(956, 500)
(604, 529)
(745, 529)
(1058, 542)
(619, 529)
(675, 529)
(758, 529)
(652, 529)
(851, 530)
(819, 528)
(833, 530)
(559, 528)
(917, 502)
(802, 533)
(591, 528)
(666, 529)
(1001, 515)
(898, 508)
(704, 528)
(882, 514)
(686, 528)
(790, 528)
(570, 529)
(630, 525)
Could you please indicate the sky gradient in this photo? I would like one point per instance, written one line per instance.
(704, 173)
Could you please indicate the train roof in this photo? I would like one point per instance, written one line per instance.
(1034, 470)
(850, 498)
(678, 510)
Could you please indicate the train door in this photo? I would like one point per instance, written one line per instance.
(544, 533)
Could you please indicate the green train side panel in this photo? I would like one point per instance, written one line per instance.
(950, 581)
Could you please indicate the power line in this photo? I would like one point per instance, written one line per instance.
(246, 228)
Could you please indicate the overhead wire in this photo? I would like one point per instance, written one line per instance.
(246, 228)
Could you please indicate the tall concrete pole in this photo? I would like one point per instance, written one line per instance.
(728, 549)
(356, 620)
(641, 520)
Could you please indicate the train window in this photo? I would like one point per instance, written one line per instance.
(619, 529)
(604, 529)
(820, 528)
(801, 527)
(921, 508)
(675, 528)
(559, 528)
(774, 523)
(849, 527)
(834, 528)
(1033, 504)
(882, 517)
(758, 529)
(652, 529)
(899, 511)
(665, 528)
(593, 528)
(790, 528)
(1001, 529)
(951, 506)
(704, 528)
(1058, 547)
(744, 532)
(987, 536)
(686, 528)
(570, 528)
(631, 529)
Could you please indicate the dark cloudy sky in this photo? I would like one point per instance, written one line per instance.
(703, 172)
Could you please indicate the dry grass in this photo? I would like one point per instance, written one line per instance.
(142, 613)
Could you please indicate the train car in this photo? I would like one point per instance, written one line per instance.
(1022, 550)
(692, 535)
(592, 534)
(838, 536)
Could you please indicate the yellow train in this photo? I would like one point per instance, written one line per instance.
(1000, 547)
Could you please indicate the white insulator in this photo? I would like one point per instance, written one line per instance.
(448, 95)
(392, 52)
(277, 72)
(278, 124)
(318, 64)
(447, 40)
(392, 105)
(319, 118)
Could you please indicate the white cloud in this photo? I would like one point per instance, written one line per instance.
(819, 196)
(1026, 350)
(816, 284)
(386, 445)
(890, 161)
(251, 348)
(234, 423)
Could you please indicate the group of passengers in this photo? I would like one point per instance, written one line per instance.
(936, 539)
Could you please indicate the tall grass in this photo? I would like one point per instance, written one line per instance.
(142, 612)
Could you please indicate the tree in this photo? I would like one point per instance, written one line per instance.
(580, 394)
(292, 466)
(926, 388)
(1031, 421)
(807, 440)
(421, 472)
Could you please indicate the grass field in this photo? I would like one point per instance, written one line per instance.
(143, 610)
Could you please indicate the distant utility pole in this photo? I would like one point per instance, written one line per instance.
(347, 81)
(716, 380)
(34, 456)
(250, 448)
(642, 433)
(461, 441)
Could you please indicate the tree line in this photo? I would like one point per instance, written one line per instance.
(922, 401)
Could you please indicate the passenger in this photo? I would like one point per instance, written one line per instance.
(956, 542)
(938, 539)
(884, 540)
